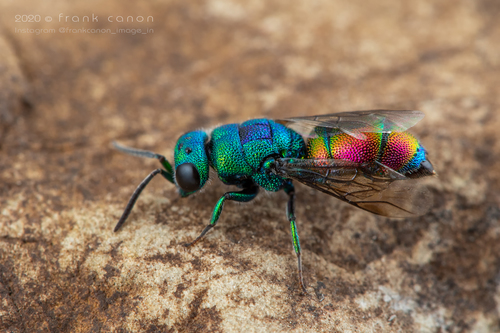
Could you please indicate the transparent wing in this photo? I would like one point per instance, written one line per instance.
(391, 195)
(356, 123)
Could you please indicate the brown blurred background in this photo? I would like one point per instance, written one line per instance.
(68, 88)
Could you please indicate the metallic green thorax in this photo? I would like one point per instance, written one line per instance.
(237, 152)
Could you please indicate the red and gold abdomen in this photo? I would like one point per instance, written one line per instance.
(399, 151)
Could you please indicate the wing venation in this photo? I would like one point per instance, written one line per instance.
(374, 188)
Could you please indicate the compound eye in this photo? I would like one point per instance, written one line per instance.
(187, 177)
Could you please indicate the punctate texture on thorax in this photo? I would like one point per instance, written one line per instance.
(237, 151)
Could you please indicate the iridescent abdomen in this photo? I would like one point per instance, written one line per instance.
(399, 151)
(402, 152)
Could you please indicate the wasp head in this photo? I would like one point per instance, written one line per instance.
(191, 162)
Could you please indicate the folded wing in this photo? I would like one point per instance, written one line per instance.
(390, 194)
(356, 123)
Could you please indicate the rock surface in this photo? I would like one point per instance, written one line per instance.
(67, 93)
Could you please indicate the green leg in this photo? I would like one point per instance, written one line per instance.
(290, 213)
(244, 195)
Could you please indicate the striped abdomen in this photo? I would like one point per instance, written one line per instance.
(399, 151)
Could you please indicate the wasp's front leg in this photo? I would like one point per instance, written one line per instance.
(245, 195)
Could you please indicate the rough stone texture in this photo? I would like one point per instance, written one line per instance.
(65, 96)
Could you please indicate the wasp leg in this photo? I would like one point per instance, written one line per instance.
(244, 195)
(136, 194)
(290, 213)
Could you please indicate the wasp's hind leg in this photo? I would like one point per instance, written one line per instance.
(245, 195)
(290, 213)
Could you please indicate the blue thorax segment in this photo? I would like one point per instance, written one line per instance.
(257, 129)
(257, 141)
